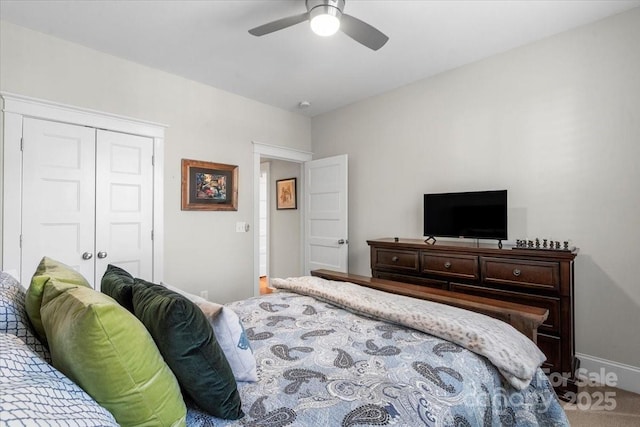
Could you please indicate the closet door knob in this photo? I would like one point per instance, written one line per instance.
(102, 255)
(87, 255)
(395, 259)
(516, 272)
(447, 265)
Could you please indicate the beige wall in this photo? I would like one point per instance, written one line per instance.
(202, 249)
(285, 243)
(556, 123)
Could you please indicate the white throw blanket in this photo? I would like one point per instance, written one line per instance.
(512, 353)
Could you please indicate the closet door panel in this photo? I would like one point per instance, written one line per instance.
(58, 196)
(124, 206)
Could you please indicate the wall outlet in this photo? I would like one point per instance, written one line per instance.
(204, 294)
(242, 227)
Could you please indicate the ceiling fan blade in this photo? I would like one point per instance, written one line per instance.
(362, 32)
(279, 24)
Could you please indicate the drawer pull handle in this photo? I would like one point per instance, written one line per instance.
(395, 259)
(516, 272)
(447, 265)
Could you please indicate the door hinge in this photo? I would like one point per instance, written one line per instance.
(21, 241)
(153, 160)
(151, 234)
(21, 144)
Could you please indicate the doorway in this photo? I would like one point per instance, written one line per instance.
(279, 228)
(289, 158)
(322, 200)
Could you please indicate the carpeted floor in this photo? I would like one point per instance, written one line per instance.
(604, 406)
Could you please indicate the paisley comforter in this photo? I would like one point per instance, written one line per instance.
(515, 355)
(321, 365)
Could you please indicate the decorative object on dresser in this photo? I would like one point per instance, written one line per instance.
(539, 278)
(550, 246)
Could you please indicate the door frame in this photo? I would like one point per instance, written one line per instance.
(266, 151)
(267, 170)
(15, 108)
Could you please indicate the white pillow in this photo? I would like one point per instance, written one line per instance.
(230, 335)
(190, 297)
(235, 344)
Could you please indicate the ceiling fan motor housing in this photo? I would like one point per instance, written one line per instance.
(330, 7)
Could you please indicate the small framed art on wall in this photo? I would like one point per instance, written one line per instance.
(286, 194)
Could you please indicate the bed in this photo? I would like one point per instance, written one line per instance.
(330, 353)
(324, 361)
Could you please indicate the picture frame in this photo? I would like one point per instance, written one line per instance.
(208, 186)
(286, 194)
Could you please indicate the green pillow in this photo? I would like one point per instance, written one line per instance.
(49, 270)
(187, 343)
(118, 284)
(105, 350)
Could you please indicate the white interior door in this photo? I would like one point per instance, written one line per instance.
(326, 221)
(48, 185)
(87, 199)
(58, 196)
(124, 206)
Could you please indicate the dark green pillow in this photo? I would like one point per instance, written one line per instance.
(187, 343)
(118, 284)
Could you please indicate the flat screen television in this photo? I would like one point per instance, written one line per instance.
(475, 215)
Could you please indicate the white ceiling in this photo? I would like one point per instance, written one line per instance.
(207, 41)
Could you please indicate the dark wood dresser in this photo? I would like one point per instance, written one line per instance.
(541, 278)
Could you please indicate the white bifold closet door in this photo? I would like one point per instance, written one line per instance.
(87, 199)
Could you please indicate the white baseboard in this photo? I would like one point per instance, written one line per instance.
(627, 376)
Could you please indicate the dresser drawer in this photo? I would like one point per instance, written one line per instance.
(451, 265)
(551, 325)
(550, 346)
(414, 280)
(542, 275)
(397, 260)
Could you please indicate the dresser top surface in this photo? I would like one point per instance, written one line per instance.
(473, 248)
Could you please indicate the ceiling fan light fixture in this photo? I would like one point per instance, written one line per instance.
(325, 20)
(325, 17)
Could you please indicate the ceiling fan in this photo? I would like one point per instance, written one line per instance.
(326, 17)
